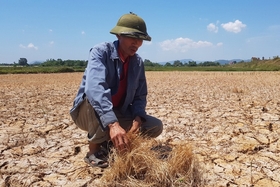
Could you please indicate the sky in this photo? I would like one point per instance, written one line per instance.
(204, 30)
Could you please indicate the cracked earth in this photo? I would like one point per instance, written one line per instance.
(231, 119)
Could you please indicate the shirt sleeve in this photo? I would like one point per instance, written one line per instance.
(97, 89)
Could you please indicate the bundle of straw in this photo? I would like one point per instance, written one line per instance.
(152, 164)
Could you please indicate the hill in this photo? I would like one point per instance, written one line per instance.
(261, 65)
(221, 61)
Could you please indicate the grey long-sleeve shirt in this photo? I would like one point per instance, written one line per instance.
(101, 81)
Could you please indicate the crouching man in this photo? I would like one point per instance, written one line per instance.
(112, 96)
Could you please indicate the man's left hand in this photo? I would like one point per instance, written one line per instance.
(136, 124)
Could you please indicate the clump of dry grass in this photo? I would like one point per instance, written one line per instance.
(153, 164)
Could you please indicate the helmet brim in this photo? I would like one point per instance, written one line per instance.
(130, 32)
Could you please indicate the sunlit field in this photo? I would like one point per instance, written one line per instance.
(220, 129)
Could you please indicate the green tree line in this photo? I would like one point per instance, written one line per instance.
(60, 62)
(83, 63)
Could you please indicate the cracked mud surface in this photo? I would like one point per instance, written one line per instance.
(232, 119)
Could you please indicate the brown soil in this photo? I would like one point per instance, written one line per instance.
(231, 119)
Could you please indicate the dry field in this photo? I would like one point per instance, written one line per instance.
(231, 119)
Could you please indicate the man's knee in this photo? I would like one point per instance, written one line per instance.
(88, 121)
(99, 136)
(153, 127)
(158, 129)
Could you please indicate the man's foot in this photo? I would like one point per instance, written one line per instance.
(98, 159)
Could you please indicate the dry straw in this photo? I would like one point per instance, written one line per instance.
(152, 164)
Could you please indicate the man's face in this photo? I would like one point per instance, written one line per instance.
(128, 45)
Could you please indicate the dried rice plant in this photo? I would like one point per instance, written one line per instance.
(153, 164)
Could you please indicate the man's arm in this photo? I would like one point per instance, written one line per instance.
(96, 87)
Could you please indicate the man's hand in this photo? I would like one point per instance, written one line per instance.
(118, 136)
(136, 124)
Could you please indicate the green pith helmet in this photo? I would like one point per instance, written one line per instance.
(133, 26)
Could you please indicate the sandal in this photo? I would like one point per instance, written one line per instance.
(97, 159)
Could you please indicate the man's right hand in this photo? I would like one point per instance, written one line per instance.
(118, 136)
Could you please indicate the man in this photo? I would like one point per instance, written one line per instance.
(111, 99)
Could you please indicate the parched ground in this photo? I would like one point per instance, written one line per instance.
(232, 120)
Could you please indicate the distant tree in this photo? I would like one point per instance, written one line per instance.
(177, 63)
(23, 62)
(209, 63)
(152, 64)
(192, 63)
(147, 63)
(60, 62)
(185, 64)
(81, 63)
(168, 64)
